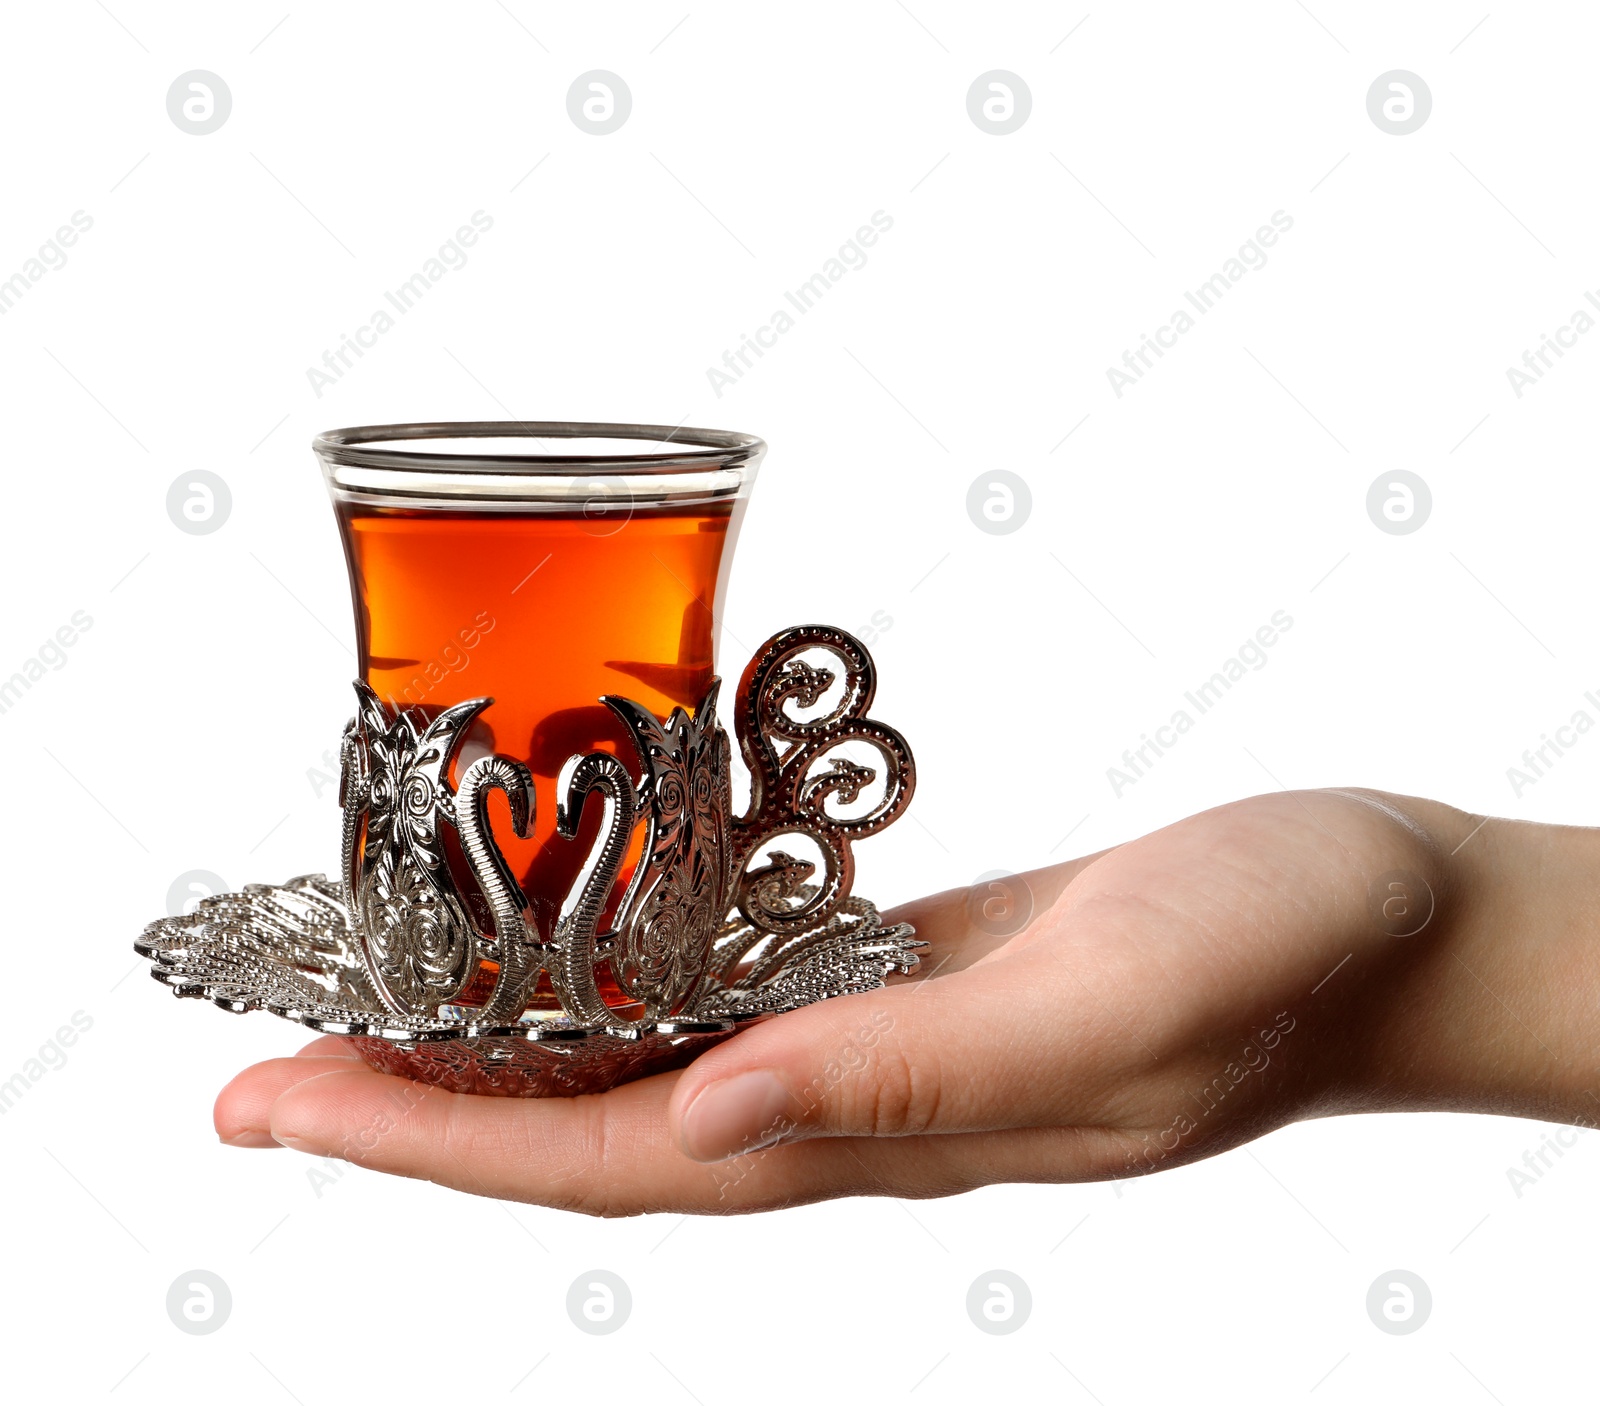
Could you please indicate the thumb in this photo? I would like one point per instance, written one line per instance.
(973, 1052)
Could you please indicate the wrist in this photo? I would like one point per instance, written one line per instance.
(1494, 1005)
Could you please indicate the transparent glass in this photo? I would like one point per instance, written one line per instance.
(543, 565)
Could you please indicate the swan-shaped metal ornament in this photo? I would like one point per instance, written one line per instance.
(572, 965)
(516, 946)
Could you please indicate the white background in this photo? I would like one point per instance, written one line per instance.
(1229, 483)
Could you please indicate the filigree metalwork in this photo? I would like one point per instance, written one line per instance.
(425, 935)
(294, 950)
(678, 895)
(422, 947)
(798, 778)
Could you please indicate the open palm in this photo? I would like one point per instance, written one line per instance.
(1168, 999)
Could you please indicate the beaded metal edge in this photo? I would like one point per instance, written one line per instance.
(292, 949)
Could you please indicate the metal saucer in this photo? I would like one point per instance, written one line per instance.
(291, 949)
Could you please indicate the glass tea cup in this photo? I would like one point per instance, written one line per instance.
(543, 565)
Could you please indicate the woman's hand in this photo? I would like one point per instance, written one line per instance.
(1283, 957)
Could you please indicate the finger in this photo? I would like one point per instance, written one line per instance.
(240, 1113)
(991, 1049)
(613, 1154)
(583, 1153)
(332, 1046)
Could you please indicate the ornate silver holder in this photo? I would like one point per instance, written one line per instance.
(438, 971)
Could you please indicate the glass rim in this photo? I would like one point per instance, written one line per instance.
(376, 447)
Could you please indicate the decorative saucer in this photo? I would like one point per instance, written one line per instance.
(291, 949)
